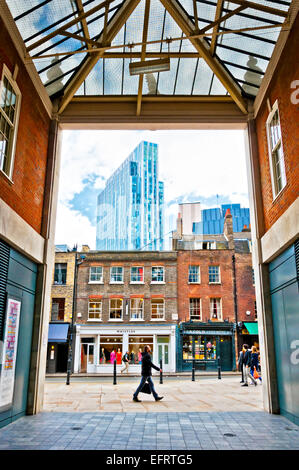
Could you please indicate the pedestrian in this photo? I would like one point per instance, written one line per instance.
(146, 372)
(255, 362)
(125, 360)
(246, 367)
(240, 364)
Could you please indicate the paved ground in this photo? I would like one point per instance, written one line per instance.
(180, 394)
(208, 414)
(161, 431)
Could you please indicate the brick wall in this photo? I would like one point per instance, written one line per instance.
(245, 287)
(204, 290)
(26, 194)
(65, 291)
(280, 89)
(85, 290)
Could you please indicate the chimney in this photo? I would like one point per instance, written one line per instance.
(179, 225)
(85, 249)
(228, 229)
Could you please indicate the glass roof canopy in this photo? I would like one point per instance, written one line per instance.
(60, 36)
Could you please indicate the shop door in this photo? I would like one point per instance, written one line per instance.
(87, 356)
(226, 357)
(163, 353)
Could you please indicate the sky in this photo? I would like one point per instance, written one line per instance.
(195, 165)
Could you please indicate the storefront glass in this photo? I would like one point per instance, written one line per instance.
(111, 348)
(136, 347)
(199, 347)
(87, 353)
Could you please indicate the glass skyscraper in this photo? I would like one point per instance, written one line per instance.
(130, 210)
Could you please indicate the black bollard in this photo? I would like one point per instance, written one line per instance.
(114, 373)
(219, 368)
(161, 373)
(193, 370)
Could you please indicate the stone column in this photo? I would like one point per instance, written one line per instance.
(45, 275)
(264, 311)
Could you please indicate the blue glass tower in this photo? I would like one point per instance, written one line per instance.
(213, 219)
(130, 210)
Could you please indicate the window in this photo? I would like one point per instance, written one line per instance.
(157, 274)
(215, 309)
(136, 347)
(137, 274)
(96, 274)
(116, 274)
(111, 349)
(194, 309)
(10, 100)
(209, 245)
(136, 309)
(276, 156)
(57, 311)
(214, 274)
(95, 309)
(116, 309)
(60, 273)
(157, 309)
(194, 275)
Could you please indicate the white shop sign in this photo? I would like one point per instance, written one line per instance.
(9, 352)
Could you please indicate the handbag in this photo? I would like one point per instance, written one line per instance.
(255, 373)
(146, 388)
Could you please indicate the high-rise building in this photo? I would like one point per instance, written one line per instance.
(130, 210)
(212, 221)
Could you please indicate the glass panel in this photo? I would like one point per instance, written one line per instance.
(90, 353)
(116, 308)
(96, 274)
(157, 274)
(199, 348)
(137, 309)
(111, 349)
(136, 347)
(214, 274)
(95, 310)
(211, 344)
(116, 274)
(194, 309)
(157, 307)
(137, 274)
(187, 347)
(166, 354)
(60, 273)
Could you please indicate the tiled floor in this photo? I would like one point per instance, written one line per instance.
(161, 431)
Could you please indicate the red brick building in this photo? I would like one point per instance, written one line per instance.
(216, 298)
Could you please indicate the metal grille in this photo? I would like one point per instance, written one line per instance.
(4, 260)
(297, 258)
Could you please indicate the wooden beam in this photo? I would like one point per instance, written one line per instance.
(113, 28)
(221, 19)
(88, 41)
(67, 25)
(83, 22)
(143, 50)
(215, 30)
(153, 98)
(259, 7)
(180, 17)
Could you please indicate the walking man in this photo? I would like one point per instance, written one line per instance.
(240, 365)
(146, 372)
(125, 359)
(246, 367)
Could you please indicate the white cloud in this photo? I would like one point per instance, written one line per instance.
(73, 228)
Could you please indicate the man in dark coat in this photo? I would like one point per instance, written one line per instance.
(146, 373)
(240, 365)
(246, 366)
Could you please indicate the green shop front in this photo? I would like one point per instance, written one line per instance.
(204, 343)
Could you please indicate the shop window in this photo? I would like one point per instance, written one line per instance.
(214, 274)
(116, 309)
(136, 347)
(96, 274)
(157, 309)
(157, 274)
(137, 274)
(116, 274)
(95, 309)
(215, 309)
(276, 156)
(10, 101)
(136, 309)
(60, 273)
(195, 309)
(199, 347)
(111, 348)
(57, 311)
(194, 275)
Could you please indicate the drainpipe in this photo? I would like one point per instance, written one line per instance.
(235, 305)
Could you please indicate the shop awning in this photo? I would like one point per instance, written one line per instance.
(58, 332)
(252, 328)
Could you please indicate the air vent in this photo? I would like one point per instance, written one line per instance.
(4, 261)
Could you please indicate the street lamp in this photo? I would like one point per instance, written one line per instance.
(78, 261)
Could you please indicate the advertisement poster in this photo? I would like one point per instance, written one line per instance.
(9, 352)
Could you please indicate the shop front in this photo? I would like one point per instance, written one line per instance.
(97, 348)
(249, 334)
(204, 344)
(57, 353)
